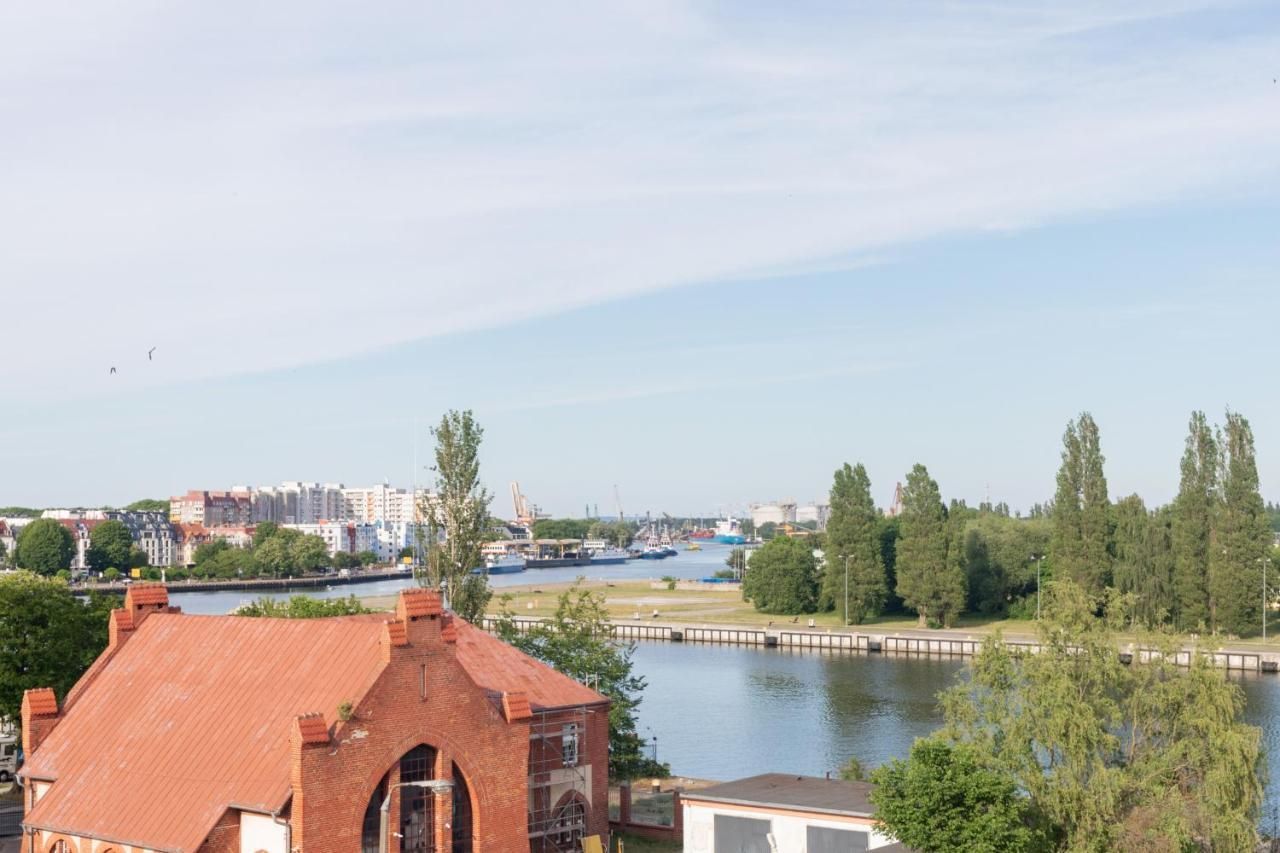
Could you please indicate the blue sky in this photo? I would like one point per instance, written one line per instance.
(706, 252)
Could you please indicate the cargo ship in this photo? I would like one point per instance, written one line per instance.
(729, 532)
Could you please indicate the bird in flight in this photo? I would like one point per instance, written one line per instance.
(113, 370)
(153, 349)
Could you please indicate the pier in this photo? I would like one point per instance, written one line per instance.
(919, 644)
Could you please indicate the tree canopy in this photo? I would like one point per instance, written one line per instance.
(782, 577)
(561, 528)
(853, 571)
(45, 547)
(303, 607)
(576, 640)
(48, 636)
(928, 582)
(1112, 756)
(148, 505)
(110, 546)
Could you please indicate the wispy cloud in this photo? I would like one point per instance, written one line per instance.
(251, 187)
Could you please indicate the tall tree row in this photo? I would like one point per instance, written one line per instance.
(927, 582)
(854, 580)
(1241, 537)
(1193, 511)
(1080, 548)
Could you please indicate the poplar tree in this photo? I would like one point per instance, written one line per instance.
(925, 581)
(1080, 548)
(854, 569)
(1143, 565)
(457, 517)
(1193, 511)
(1241, 537)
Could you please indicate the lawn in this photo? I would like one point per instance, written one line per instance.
(634, 844)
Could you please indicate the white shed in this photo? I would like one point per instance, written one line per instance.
(782, 813)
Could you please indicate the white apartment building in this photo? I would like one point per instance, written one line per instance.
(342, 536)
(384, 503)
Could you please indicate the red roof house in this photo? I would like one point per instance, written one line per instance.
(229, 733)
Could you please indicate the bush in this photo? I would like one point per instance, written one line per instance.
(670, 581)
(111, 575)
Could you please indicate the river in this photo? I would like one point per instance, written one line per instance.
(723, 712)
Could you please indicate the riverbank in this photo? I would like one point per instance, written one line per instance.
(301, 584)
(651, 610)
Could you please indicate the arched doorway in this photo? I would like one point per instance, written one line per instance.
(372, 823)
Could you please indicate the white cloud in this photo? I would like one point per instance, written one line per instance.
(253, 186)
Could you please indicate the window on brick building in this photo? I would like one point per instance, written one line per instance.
(417, 813)
(372, 824)
(461, 813)
(569, 745)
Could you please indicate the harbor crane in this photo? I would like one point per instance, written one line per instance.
(525, 514)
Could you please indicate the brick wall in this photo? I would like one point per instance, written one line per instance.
(225, 837)
(423, 696)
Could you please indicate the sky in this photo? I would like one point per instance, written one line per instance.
(703, 252)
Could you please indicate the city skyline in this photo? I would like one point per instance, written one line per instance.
(930, 234)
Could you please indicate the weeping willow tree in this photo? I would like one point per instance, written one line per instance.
(1112, 756)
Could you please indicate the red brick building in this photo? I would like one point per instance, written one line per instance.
(227, 733)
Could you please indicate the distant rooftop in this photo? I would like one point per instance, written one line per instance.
(788, 791)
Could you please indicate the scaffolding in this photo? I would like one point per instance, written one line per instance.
(559, 790)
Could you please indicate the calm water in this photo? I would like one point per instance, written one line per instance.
(723, 712)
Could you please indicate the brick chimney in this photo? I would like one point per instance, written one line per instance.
(422, 613)
(40, 715)
(140, 601)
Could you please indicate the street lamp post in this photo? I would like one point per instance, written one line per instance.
(384, 813)
(1264, 562)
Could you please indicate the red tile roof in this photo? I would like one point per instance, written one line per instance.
(515, 706)
(208, 705)
(421, 602)
(146, 594)
(204, 707)
(313, 729)
(499, 668)
(41, 701)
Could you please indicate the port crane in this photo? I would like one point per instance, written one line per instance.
(526, 514)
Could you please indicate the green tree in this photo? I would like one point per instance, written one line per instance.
(1193, 515)
(1143, 756)
(853, 572)
(264, 531)
(942, 799)
(4, 554)
(45, 547)
(576, 641)
(1143, 565)
(782, 577)
(303, 607)
(344, 560)
(48, 636)
(926, 582)
(561, 528)
(148, 505)
(206, 551)
(366, 558)
(1241, 537)
(308, 553)
(19, 512)
(1080, 548)
(277, 556)
(110, 545)
(458, 517)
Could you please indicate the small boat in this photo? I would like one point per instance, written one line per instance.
(654, 554)
(693, 546)
(670, 552)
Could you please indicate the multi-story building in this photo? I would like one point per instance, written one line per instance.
(9, 530)
(153, 533)
(408, 731)
(385, 503)
(189, 537)
(212, 509)
(342, 536)
(815, 512)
